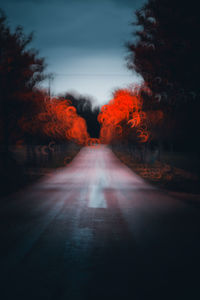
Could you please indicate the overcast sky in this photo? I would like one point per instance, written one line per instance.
(81, 40)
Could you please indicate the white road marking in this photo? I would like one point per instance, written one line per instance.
(96, 188)
(96, 197)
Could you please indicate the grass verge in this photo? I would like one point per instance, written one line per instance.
(20, 174)
(165, 174)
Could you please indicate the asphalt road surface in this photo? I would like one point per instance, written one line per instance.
(95, 230)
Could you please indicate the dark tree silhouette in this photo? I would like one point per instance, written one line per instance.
(20, 71)
(166, 54)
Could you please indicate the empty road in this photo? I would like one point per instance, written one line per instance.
(95, 230)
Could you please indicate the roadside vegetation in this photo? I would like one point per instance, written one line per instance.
(177, 172)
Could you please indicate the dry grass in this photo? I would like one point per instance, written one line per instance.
(162, 174)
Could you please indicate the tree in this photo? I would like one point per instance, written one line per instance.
(20, 72)
(166, 54)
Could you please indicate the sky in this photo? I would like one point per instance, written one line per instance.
(82, 42)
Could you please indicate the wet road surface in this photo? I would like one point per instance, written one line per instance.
(95, 230)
